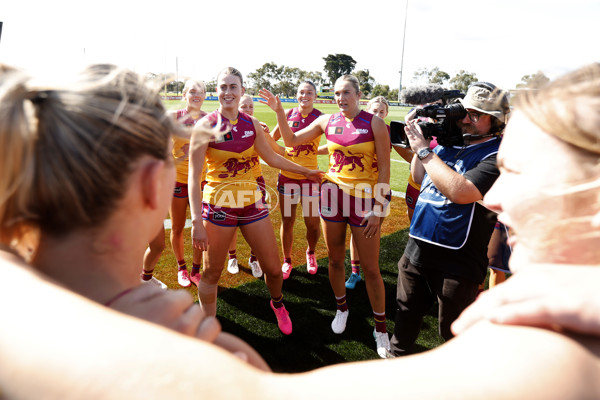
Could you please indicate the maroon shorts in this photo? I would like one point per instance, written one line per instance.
(337, 206)
(225, 216)
(181, 190)
(412, 195)
(294, 187)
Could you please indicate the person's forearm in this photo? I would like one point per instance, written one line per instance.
(194, 184)
(406, 154)
(382, 188)
(417, 171)
(275, 133)
(450, 183)
(289, 138)
(195, 196)
(274, 146)
(277, 161)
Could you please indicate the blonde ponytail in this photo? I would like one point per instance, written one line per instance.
(18, 134)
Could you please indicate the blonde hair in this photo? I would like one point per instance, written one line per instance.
(352, 79)
(191, 83)
(379, 99)
(569, 108)
(66, 152)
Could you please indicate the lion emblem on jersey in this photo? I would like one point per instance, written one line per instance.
(233, 166)
(186, 149)
(308, 148)
(340, 160)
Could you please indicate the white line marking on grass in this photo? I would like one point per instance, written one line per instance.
(167, 223)
(400, 161)
(398, 194)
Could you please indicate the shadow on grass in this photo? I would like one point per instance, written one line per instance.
(245, 312)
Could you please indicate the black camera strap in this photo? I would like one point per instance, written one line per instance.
(467, 137)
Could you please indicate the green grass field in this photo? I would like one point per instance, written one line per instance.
(243, 301)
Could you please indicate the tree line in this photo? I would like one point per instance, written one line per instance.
(284, 80)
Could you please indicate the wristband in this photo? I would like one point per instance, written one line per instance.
(373, 213)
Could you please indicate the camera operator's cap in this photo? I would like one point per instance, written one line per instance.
(486, 98)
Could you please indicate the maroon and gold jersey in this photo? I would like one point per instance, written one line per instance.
(304, 154)
(181, 146)
(352, 157)
(229, 162)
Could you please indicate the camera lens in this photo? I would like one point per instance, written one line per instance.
(455, 111)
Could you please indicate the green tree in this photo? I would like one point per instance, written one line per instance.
(385, 91)
(211, 86)
(175, 86)
(315, 77)
(337, 65)
(434, 75)
(366, 81)
(381, 90)
(462, 80)
(265, 77)
(289, 80)
(535, 81)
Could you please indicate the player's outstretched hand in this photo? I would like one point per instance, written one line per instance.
(414, 133)
(270, 99)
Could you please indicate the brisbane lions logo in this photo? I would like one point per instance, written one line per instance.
(186, 149)
(341, 160)
(375, 166)
(307, 148)
(233, 166)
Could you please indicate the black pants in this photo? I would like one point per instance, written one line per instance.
(416, 293)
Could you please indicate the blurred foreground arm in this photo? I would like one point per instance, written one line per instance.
(87, 351)
(563, 297)
(84, 350)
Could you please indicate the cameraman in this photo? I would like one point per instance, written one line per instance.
(421, 96)
(446, 254)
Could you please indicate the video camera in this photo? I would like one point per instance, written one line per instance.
(445, 130)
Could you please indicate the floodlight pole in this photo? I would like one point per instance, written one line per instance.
(402, 59)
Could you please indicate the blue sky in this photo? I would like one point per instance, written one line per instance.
(498, 40)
